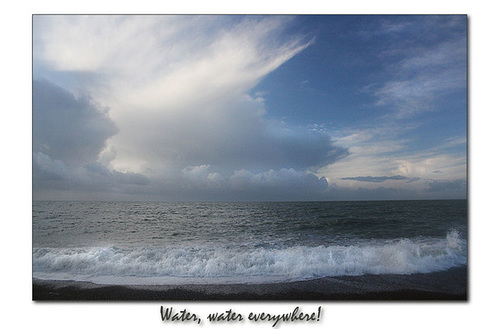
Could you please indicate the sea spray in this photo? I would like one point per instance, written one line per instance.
(207, 264)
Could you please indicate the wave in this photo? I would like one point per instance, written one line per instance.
(211, 264)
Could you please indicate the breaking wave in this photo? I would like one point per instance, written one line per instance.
(212, 264)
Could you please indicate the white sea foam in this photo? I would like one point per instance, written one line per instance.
(209, 264)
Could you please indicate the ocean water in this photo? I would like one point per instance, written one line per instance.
(192, 243)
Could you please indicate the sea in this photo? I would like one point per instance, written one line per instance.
(153, 243)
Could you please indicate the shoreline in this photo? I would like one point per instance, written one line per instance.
(449, 285)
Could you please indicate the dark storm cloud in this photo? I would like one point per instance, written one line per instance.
(69, 133)
(69, 129)
(54, 179)
(270, 148)
(312, 150)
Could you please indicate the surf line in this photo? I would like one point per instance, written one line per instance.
(296, 315)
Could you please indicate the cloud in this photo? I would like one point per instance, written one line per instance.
(376, 179)
(165, 107)
(271, 185)
(283, 179)
(179, 114)
(200, 111)
(205, 183)
(69, 134)
(53, 179)
(421, 73)
(202, 177)
(413, 95)
(284, 184)
(113, 177)
(423, 70)
(180, 95)
(69, 129)
(380, 156)
(44, 167)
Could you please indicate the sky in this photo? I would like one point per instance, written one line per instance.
(249, 108)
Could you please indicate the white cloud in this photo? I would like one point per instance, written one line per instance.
(178, 90)
(417, 94)
(421, 73)
(201, 177)
(177, 86)
(381, 153)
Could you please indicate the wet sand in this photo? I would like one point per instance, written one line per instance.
(445, 285)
